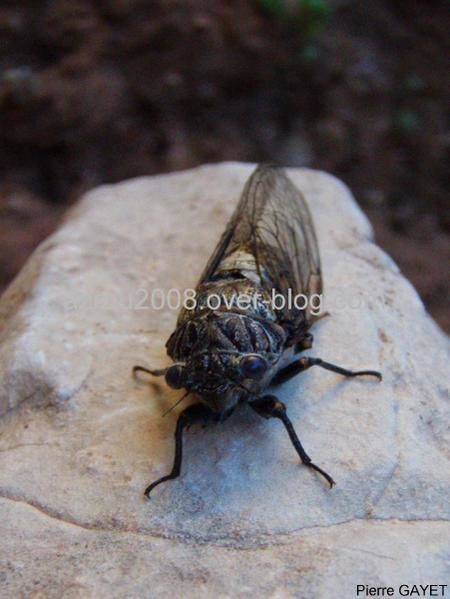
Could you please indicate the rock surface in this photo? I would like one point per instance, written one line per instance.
(80, 440)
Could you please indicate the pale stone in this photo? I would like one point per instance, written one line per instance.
(80, 440)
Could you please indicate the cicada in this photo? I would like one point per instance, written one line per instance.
(231, 352)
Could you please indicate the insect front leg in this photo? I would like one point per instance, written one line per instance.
(302, 364)
(195, 413)
(271, 407)
(153, 372)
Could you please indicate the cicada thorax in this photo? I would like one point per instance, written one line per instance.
(225, 331)
(220, 349)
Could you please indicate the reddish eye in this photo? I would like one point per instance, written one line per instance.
(253, 367)
(175, 376)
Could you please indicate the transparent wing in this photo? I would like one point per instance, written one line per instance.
(272, 224)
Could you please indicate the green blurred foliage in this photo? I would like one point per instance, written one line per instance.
(308, 16)
(407, 121)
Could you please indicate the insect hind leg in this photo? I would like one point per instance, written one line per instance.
(269, 406)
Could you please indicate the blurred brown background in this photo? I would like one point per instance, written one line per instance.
(95, 91)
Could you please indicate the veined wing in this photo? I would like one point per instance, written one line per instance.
(271, 231)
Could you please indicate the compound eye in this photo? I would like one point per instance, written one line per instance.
(175, 376)
(253, 367)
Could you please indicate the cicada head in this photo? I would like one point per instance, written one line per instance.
(225, 358)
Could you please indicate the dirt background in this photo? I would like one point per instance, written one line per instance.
(99, 91)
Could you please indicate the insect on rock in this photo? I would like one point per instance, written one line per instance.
(231, 354)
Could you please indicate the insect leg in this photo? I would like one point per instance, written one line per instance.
(305, 343)
(304, 363)
(153, 372)
(196, 413)
(270, 407)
